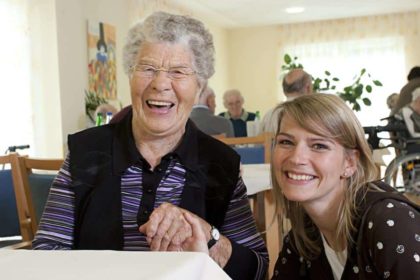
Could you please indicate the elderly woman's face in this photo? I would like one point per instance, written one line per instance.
(162, 102)
(234, 105)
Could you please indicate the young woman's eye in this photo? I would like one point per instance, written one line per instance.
(284, 142)
(320, 146)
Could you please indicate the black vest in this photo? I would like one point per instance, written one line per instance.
(98, 219)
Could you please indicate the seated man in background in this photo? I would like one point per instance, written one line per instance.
(296, 83)
(233, 102)
(392, 100)
(203, 116)
(411, 114)
(405, 96)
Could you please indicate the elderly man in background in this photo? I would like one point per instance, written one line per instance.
(203, 116)
(151, 180)
(233, 102)
(296, 83)
(405, 96)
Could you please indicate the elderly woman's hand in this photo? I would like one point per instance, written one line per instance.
(198, 241)
(167, 228)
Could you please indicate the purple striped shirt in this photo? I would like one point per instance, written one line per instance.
(56, 227)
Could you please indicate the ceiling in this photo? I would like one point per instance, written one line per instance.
(246, 13)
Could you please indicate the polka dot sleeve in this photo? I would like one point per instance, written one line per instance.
(392, 237)
(288, 263)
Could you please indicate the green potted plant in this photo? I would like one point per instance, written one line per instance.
(352, 93)
(92, 101)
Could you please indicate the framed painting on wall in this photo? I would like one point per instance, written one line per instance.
(102, 60)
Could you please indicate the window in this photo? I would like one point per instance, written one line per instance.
(383, 58)
(16, 112)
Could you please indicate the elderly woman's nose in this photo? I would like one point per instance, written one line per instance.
(161, 81)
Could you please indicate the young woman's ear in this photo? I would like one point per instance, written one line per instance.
(352, 157)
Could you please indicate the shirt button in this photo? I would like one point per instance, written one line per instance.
(159, 169)
(149, 190)
(145, 212)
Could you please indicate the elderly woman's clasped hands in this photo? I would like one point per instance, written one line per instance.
(171, 228)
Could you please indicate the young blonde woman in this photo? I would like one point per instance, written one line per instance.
(344, 223)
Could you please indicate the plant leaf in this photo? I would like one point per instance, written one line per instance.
(356, 106)
(358, 90)
(368, 88)
(366, 101)
(287, 59)
(377, 83)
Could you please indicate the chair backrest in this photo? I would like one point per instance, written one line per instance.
(9, 220)
(259, 153)
(36, 187)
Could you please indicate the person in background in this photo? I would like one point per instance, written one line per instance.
(392, 100)
(234, 102)
(411, 114)
(405, 96)
(295, 83)
(135, 184)
(344, 224)
(203, 116)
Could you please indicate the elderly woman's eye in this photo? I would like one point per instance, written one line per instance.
(178, 73)
(147, 68)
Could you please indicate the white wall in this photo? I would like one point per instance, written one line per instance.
(46, 99)
(72, 19)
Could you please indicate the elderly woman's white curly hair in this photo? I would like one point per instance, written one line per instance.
(164, 27)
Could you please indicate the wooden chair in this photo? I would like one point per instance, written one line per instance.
(263, 141)
(263, 203)
(35, 187)
(12, 202)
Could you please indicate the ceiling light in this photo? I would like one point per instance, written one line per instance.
(295, 10)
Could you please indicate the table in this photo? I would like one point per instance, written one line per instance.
(103, 265)
(256, 177)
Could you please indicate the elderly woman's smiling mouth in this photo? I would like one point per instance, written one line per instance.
(159, 104)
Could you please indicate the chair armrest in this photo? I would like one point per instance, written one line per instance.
(20, 245)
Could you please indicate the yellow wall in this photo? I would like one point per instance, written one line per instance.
(255, 54)
(253, 65)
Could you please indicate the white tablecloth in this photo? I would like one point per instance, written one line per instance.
(103, 265)
(256, 177)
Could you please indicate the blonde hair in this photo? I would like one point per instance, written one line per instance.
(326, 115)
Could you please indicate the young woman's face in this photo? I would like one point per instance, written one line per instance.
(308, 167)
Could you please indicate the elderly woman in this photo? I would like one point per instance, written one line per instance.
(234, 102)
(344, 224)
(137, 184)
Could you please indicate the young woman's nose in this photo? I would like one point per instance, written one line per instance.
(298, 155)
